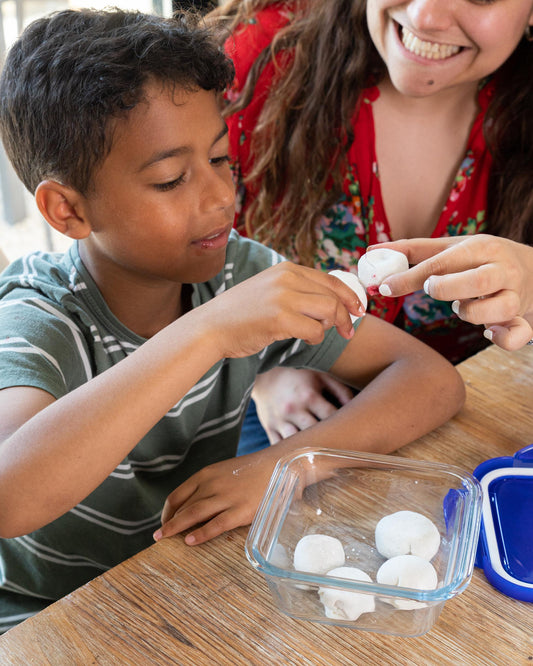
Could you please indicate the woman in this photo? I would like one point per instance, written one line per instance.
(437, 94)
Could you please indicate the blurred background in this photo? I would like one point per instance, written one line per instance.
(22, 229)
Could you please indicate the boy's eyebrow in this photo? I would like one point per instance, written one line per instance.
(176, 152)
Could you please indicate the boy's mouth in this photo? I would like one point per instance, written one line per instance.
(429, 50)
(214, 240)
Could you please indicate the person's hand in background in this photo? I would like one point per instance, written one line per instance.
(289, 400)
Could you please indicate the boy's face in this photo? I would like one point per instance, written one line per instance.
(163, 200)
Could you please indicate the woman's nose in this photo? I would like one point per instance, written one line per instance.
(430, 15)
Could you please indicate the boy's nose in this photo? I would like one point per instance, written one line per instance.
(219, 190)
(430, 15)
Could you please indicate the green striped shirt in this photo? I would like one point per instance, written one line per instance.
(56, 332)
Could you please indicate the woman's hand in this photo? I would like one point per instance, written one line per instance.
(489, 279)
(289, 400)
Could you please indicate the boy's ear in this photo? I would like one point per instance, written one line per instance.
(61, 206)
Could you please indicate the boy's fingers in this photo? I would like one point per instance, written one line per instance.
(222, 522)
(351, 300)
(178, 498)
(192, 515)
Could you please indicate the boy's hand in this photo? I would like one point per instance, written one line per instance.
(282, 302)
(222, 496)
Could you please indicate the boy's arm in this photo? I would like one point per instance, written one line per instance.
(408, 389)
(53, 453)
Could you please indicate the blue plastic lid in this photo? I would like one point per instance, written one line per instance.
(505, 547)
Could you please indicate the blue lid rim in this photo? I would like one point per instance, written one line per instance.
(521, 459)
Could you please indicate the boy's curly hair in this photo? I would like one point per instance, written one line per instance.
(70, 73)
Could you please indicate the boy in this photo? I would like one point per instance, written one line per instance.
(126, 365)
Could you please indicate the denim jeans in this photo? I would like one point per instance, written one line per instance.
(253, 436)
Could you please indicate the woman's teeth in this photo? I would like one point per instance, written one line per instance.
(429, 50)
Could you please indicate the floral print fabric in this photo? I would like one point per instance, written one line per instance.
(358, 218)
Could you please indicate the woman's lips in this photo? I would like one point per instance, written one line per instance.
(429, 50)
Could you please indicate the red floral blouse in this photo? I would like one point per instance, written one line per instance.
(358, 219)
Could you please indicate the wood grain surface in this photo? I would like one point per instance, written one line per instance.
(205, 605)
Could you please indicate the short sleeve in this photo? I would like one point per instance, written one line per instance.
(41, 346)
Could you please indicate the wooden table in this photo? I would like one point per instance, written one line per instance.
(172, 604)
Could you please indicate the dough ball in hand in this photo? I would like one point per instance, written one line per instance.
(318, 553)
(344, 604)
(407, 533)
(351, 280)
(407, 571)
(378, 264)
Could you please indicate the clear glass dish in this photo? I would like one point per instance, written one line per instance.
(344, 495)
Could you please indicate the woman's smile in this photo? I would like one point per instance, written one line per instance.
(452, 44)
(425, 49)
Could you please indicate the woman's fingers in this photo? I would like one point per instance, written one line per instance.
(452, 268)
(501, 306)
(510, 336)
(420, 249)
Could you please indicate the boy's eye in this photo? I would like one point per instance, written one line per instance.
(219, 161)
(165, 187)
(171, 184)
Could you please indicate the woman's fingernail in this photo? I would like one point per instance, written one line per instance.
(455, 307)
(190, 540)
(426, 285)
(157, 535)
(488, 334)
(385, 290)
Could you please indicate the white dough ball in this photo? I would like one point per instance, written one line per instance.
(351, 280)
(318, 553)
(378, 264)
(407, 571)
(344, 604)
(407, 533)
